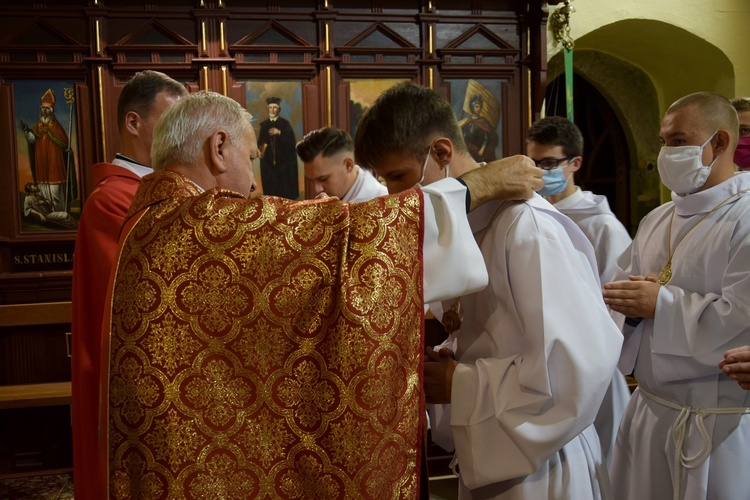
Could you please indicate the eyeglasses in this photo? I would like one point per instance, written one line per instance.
(551, 163)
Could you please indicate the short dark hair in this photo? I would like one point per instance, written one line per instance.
(139, 93)
(28, 187)
(329, 141)
(741, 103)
(404, 119)
(557, 131)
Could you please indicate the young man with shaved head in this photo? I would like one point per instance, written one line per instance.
(683, 288)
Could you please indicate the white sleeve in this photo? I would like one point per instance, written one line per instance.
(610, 242)
(537, 365)
(453, 264)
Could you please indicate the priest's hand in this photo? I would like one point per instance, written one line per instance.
(438, 375)
(635, 298)
(736, 364)
(512, 178)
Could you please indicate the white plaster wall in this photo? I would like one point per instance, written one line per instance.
(684, 45)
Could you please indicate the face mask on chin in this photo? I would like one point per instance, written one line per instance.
(742, 153)
(554, 182)
(681, 167)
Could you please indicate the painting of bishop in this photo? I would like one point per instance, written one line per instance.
(47, 173)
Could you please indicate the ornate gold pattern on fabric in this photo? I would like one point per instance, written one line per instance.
(170, 344)
(269, 436)
(219, 391)
(259, 351)
(173, 440)
(309, 479)
(223, 479)
(133, 296)
(132, 481)
(172, 251)
(212, 299)
(131, 390)
(306, 394)
(262, 353)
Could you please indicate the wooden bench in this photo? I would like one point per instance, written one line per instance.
(44, 394)
(28, 395)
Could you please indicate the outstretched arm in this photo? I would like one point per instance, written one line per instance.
(512, 178)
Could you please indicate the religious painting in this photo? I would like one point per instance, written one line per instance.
(276, 107)
(362, 93)
(478, 108)
(47, 145)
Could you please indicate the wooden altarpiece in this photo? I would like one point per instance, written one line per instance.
(327, 59)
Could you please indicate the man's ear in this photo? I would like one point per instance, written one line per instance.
(132, 122)
(442, 150)
(575, 163)
(348, 163)
(721, 142)
(217, 144)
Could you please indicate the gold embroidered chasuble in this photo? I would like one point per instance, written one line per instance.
(263, 348)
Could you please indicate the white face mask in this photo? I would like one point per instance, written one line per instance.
(424, 170)
(681, 167)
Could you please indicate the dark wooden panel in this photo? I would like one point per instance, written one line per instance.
(34, 354)
(38, 314)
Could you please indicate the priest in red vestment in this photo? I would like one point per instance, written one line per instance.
(264, 348)
(142, 101)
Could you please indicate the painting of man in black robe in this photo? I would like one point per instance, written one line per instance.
(278, 156)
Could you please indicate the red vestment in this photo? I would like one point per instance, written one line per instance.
(49, 152)
(96, 244)
(263, 348)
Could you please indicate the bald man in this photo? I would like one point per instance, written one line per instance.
(681, 292)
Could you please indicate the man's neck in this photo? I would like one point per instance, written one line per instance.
(720, 172)
(351, 179)
(461, 164)
(135, 153)
(570, 188)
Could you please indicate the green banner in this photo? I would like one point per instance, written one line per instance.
(568, 53)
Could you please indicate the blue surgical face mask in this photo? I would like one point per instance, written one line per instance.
(554, 181)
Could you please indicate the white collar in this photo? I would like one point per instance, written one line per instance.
(130, 164)
(570, 201)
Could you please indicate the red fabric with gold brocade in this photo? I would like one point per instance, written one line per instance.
(266, 349)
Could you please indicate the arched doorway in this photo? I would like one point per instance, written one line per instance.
(606, 156)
